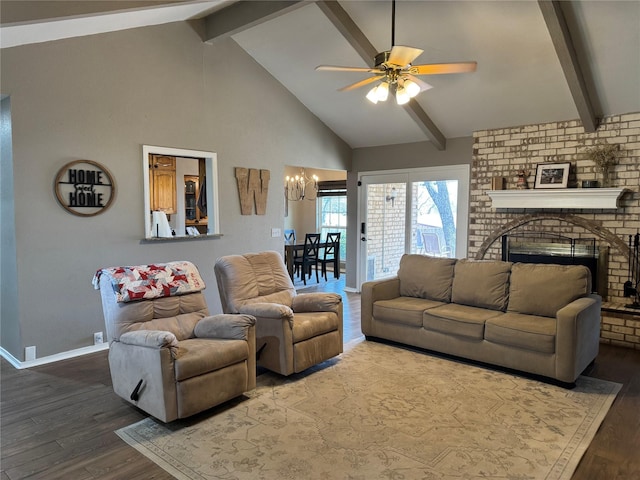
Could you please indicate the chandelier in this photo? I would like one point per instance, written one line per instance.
(300, 187)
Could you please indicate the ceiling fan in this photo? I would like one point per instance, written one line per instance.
(395, 72)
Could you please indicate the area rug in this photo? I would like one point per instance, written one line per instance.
(384, 412)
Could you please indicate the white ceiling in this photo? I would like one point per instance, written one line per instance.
(519, 79)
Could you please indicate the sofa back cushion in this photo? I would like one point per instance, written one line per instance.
(483, 284)
(427, 277)
(538, 289)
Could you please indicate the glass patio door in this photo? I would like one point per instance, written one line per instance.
(382, 232)
(412, 211)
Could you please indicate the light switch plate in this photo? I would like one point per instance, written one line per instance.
(276, 232)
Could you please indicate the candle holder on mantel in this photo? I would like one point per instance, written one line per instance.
(631, 285)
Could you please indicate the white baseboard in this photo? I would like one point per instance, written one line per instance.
(351, 290)
(52, 358)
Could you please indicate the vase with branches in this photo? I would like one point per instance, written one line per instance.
(605, 156)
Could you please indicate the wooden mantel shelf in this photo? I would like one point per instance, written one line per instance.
(578, 198)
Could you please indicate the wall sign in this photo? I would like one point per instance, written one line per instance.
(84, 188)
(253, 187)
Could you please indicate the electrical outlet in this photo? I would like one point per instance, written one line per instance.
(29, 353)
(97, 338)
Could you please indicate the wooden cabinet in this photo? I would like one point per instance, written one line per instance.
(193, 216)
(162, 183)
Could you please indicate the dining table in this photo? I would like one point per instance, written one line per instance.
(289, 254)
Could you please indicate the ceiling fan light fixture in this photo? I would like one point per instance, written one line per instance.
(382, 92)
(412, 88)
(395, 71)
(402, 96)
(372, 96)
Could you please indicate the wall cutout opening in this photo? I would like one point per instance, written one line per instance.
(180, 192)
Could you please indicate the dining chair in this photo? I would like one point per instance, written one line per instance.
(309, 256)
(330, 254)
(290, 237)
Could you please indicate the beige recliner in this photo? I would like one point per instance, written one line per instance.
(293, 332)
(167, 355)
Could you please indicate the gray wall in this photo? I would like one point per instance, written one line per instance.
(101, 98)
(392, 157)
(9, 325)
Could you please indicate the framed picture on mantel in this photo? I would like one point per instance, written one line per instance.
(552, 175)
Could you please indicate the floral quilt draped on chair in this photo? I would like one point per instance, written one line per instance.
(143, 282)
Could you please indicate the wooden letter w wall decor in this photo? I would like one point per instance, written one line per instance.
(253, 186)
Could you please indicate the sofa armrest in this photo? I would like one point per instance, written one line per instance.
(316, 302)
(225, 326)
(149, 338)
(577, 336)
(267, 310)
(371, 292)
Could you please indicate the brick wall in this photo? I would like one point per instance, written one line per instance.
(504, 152)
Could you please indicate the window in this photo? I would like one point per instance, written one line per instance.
(332, 211)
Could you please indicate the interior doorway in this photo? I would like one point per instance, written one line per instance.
(321, 211)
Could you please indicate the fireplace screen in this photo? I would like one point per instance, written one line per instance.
(532, 247)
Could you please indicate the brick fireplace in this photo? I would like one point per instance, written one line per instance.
(505, 152)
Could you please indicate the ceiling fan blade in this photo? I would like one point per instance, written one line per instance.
(361, 83)
(422, 84)
(336, 68)
(402, 56)
(440, 68)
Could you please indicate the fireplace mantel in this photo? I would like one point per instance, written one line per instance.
(573, 198)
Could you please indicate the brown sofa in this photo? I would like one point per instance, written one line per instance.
(540, 319)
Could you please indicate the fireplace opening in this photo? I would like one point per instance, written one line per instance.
(547, 247)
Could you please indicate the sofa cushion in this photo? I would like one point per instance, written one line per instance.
(538, 289)
(427, 277)
(530, 332)
(483, 284)
(404, 310)
(459, 320)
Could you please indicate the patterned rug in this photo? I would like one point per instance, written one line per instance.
(384, 412)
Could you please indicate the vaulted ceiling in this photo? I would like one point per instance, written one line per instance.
(538, 61)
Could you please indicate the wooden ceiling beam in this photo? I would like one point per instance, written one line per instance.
(361, 44)
(565, 44)
(241, 16)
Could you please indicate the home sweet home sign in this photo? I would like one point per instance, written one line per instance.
(84, 188)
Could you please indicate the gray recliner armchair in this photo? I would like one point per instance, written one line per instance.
(167, 355)
(293, 332)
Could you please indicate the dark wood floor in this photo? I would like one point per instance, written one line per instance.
(58, 420)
